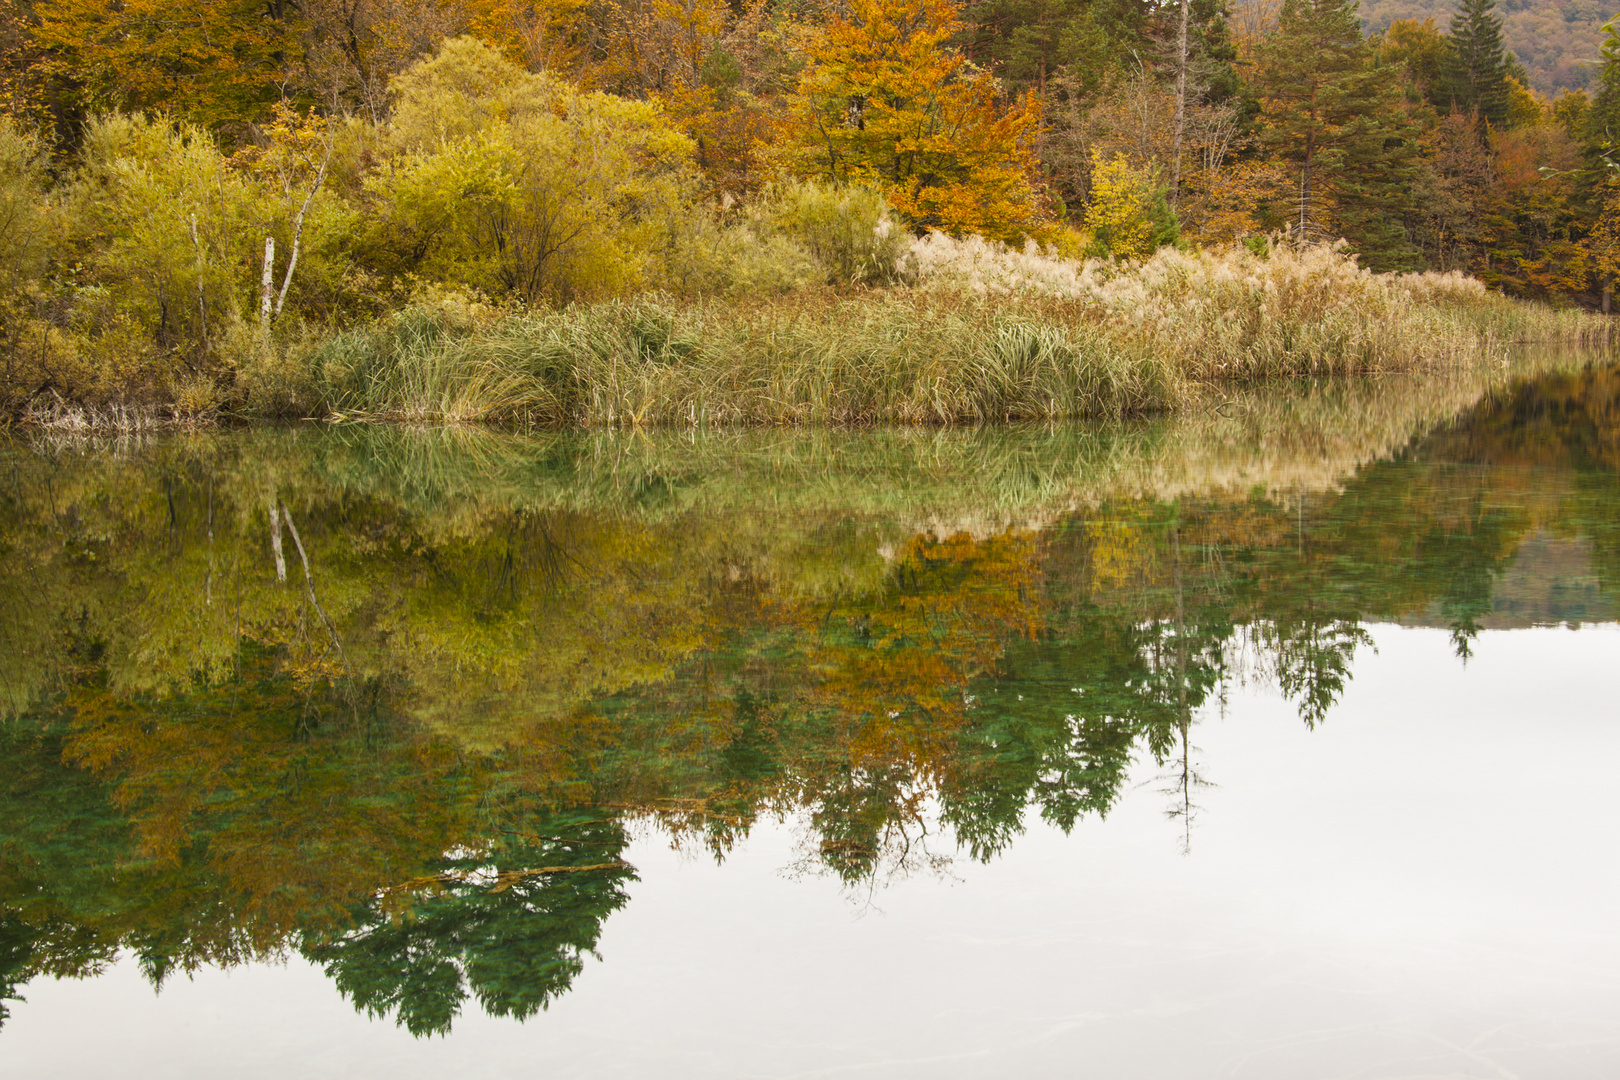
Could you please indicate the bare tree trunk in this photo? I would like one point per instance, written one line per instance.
(267, 283)
(202, 308)
(1181, 107)
(298, 223)
(275, 540)
(1304, 199)
(309, 585)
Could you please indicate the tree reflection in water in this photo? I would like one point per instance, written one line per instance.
(392, 700)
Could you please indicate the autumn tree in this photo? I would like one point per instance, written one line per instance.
(1424, 52)
(1129, 216)
(889, 101)
(24, 243)
(517, 183)
(216, 62)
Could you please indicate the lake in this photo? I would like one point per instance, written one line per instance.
(1273, 739)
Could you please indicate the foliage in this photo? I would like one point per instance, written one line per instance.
(24, 244)
(1338, 116)
(216, 62)
(383, 153)
(1476, 72)
(888, 102)
(1551, 43)
(161, 232)
(1127, 215)
(849, 231)
(520, 185)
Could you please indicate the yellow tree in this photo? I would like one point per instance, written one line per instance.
(541, 36)
(888, 101)
(1128, 215)
(216, 62)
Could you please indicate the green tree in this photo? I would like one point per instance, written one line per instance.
(1478, 65)
(510, 925)
(1341, 118)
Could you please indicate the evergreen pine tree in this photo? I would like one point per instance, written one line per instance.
(1477, 68)
(1602, 120)
(1341, 117)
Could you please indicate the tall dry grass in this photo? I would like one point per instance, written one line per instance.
(1237, 313)
(981, 333)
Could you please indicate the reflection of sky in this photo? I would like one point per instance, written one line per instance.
(1426, 886)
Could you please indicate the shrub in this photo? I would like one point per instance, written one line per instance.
(519, 184)
(848, 229)
(163, 233)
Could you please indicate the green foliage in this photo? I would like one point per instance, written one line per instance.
(521, 185)
(1129, 216)
(1476, 72)
(849, 230)
(511, 926)
(1338, 115)
(1553, 41)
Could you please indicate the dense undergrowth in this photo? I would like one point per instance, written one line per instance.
(980, 332)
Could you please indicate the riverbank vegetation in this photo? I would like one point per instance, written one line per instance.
(700, 214)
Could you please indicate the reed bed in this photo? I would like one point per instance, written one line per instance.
(981, 333)
(813, 357)
(1237, 313)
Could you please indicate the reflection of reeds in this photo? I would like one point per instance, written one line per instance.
(1282, 437)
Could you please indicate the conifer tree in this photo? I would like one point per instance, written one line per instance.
(1340, 117)
(1602, 119)
(1477, 69)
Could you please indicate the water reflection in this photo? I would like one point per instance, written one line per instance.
(392, 699)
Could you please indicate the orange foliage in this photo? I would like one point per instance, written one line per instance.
(217, 61)
(889, 102)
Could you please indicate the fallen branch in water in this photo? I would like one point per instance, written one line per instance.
(503, 881)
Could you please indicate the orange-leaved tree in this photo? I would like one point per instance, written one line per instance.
(888, 101)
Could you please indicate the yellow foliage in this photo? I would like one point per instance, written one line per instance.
(888, 102)
(518, 183)
(1126, 215)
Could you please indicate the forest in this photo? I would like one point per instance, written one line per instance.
(199, 203)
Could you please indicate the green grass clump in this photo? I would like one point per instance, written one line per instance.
(811, 357)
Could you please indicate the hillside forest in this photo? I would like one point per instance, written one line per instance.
(172, 175)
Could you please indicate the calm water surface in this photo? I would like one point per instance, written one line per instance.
(1275, 740)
